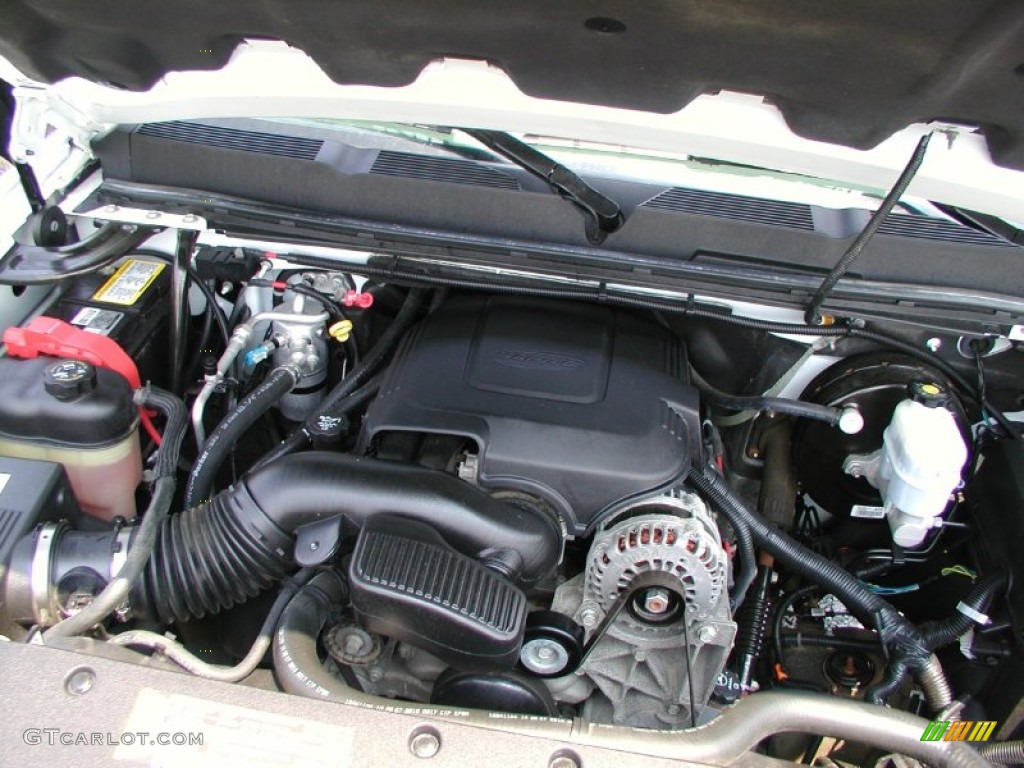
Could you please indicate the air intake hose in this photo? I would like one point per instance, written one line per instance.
(217, 555)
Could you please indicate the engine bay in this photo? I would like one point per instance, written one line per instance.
(510, 501)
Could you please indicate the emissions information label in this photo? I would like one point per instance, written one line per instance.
(127, 285)
(95, 320)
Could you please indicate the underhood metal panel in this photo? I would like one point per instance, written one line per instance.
(844, 73)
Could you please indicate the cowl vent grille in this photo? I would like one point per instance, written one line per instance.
(735, 207)
(293, 147)
(410, 166)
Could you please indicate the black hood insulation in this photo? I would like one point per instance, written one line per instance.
(845, 73)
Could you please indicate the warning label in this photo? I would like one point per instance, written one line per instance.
(129, 283)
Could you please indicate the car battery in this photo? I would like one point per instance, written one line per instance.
(130, 306)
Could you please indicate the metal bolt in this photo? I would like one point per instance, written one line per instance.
(153, 215)
(80, 681)
(546, 652)
(656, 601)
(564, 760)
(425, 742)
(707, 633)
(314, 545)
(672, 709)
(376, 674)
(353, 644)
(588, 616)
(933, 344)
(190, 218)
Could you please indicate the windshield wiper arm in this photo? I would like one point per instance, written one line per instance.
(603, 215)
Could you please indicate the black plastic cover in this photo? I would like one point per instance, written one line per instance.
(407, 583)
(100, 417)
(581, 404)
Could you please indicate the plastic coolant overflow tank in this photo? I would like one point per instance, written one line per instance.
(76, 414)
(923, 455)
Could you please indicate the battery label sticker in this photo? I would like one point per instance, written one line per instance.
(95, 320)
(129, 283)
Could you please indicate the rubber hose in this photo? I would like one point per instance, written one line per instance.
(217, 555)
(302, 437)
(979, 599)
(1003, 752)
(763, 404)
(376, 356)
(144, 540)
(223, 439)
(902, 638)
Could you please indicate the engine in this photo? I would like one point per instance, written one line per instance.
(488, 500)
(584, 406)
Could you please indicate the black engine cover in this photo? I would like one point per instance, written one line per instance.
(581, 404)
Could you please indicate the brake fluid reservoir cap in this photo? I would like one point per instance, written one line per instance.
(69, 379)
(928, 394)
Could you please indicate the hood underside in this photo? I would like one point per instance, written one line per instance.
(844, 73)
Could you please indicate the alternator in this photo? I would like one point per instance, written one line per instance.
(657, 664)
(677, 537)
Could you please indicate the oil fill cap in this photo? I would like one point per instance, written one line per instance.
(69, 379)
(928, 394)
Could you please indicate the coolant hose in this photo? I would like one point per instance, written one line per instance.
(903, 640)
(723, 741)
(218, 447)
(144, 540)
(970, 612)
(241, 543)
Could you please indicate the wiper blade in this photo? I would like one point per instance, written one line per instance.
(602, 214)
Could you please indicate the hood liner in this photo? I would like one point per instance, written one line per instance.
(845, 73)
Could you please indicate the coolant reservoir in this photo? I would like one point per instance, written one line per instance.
(922, 457)
(78, 415)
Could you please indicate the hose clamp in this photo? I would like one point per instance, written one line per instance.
(45, 610)
(118, 558)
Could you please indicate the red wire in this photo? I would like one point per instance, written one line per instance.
(147, 424)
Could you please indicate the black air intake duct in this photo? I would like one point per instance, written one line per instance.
(219, 554)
